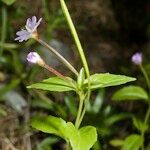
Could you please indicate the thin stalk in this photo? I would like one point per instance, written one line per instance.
(146, 76)
(82, 115)
(79, 47)
(3, 29)
(81, 101)
(59, 56)
(54, 71)
(75, 36)
(147, 116)
(145, 122)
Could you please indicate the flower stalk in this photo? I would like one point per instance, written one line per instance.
(137, 59)
(49, 68)
(59, 56)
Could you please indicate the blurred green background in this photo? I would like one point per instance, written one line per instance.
(111, 31)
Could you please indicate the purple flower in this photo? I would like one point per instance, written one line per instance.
(137, 58)
(35, 58)
(30, 31)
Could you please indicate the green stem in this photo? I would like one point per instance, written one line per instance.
(77, 123)
(4, 24)
(59, 56)
(79, 47)
(82, 115)
(75, 35)
(147, 115)
(148, 111)
(145, 122)
(145, 75)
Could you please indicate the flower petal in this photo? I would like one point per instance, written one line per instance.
(23, 35)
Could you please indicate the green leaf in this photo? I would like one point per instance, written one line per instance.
(71, 104)
(2, 112)
(81, 78)
(46, 143)
(139, 124)
(8, 2)
(110, 120)
(8, 45)
(132, 142)
(82, 139)
(116, 142)
(130, 93)
(55, 84)
(97, 146)
(106, 79)
(50, 124)
(4, 89)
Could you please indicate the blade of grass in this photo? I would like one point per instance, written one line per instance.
(3, 30)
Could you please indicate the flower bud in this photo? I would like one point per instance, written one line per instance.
(81, 78)
(35, 58)
(137, 58)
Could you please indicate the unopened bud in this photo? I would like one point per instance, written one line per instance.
(35, 58)
(81, 78)
(137, 58)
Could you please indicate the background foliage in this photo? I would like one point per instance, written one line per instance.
(111, 31)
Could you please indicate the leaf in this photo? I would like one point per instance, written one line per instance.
(55, 84)
(46, 143)
(50, 124)
(106, 79)
(130, 93)
(132, 142)
(116, 142)
(82, 139)
(16, 101)
(2, 112)
(139, 124)
(110, 120)
(96, 105)
(9, 2)
(8, 45)
(71, 104)
(97, 146)
(6, 88)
